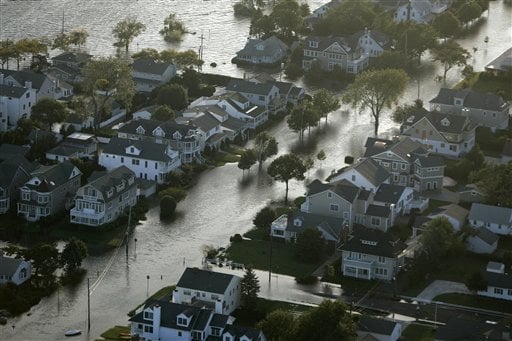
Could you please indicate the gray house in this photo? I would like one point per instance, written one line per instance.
(14, 270)
(14, 172)
(270, 51)
(149, 74)
(49, 190)
(486, 110)
(76, 145)
(482, 240)
(496, 219)
(372, 254)
(104, 198)
(373, 328)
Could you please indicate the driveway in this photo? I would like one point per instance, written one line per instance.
(441, 287)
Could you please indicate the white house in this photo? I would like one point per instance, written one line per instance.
(261, 94)
(76, 145)
(482, 241)
(499, 283)
(15, 270)
(366, 174)
(455, 214)
(15, 102)
(270, 51)
(394, 196)
(147, 159)
(149, 74)
(371, 42)
(374, 328)
(420, 11)
(497, 219)
(222, 291)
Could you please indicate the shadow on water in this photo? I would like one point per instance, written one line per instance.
(472, 30)
(246, 180)
(311, 141)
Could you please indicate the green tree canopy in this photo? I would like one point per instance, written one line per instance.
(179, 194)
(287, 17)
(264, 218)
(48, 111)
(266, 146)
(402, 111)
(126, 30)
(173, 95)
(45, 260)
(447, 24)
(250, 287)
(78, 37)
(325, 102)
(450, 54)
(173, 28)
(376, 89)
(285, 168)
(348, 18)
(74, 252)
(105, 80)
(167, 206)
(279, 325)
(414, 39)
(310, 246)
(247, 160)
(163, 113)
(495, 181)
(439, 240)
(476, 282)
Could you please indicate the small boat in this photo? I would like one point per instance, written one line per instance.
(73, 332)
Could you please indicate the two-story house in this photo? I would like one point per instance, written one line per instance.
(15, 103)
(219, 290)
(104, 198)
(76, 145)
(372, 43)
(46, 86)
(164, 320)
(207, 122)
(333, 53)
(486, 110)
(372, 254)
(396, 197)
(68, 65)
(499, 283)
(365, 174)
(149, 74)
(260, 94)
(445, 134)
(147, 159)
(270, 51)
(49, 190)
(408, 162)
(14, 172)
(187, 139)
(420, 11)
(496, 219)
(14, 270)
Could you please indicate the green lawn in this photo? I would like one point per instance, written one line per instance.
(163, 294)
(114, 332)
(505, 243)
(418, 332)
(476, 301)
(485, 85)
(257, 254)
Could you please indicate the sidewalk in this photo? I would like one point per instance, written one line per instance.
(441, 287)
(319, 272)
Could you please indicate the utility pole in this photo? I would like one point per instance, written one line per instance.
(201, 51)
(270, 263)
(88, 306)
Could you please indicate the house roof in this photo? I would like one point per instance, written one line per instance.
(487, 236)
(110, 180)
(209, 281)
(325, 42)
(329, 225)
(371, 170)
(502, 63)
(12, 91)
(491, 214)
(344, 189)
(470, 99)
(421, 221)
(22, 76)
(258, 47)
(149, 150)
(373, 242)
(9, 265)
(443, 122)
(389, 193)
(205, 121)
(149, 126)
(9, 167)
(62, 150)
(376, 325)
(8, 150)
(452, 210)
(244, 86)
(471, 329)
(72, 57)
(406, 148)
(378, 211)
(151, 66)
(239, 332)
(53, 176)
(380, 38)
(233, 123)
(430, 161)
(498, 280)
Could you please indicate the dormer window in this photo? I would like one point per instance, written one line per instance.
(182, 321)
(297, 222)
(410, 119)
(368, 242)
(148, 315)
(177, 136)
(140, 130)
(132, 150)
(313, 43)
(110, 193)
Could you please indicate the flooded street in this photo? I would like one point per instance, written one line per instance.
(220, 205)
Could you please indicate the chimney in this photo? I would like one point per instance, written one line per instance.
(28, 84)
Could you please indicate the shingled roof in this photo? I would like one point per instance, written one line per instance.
(149, 150)
(373, 242)
(147, 65)
(470, 99)
(209, 281)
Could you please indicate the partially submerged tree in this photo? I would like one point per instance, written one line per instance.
(450, 54)
(325, 102)
(126, 30)
(285, 168)
(173, 28)
(73, 254)
(266, 146)
(167, 207)
(247, 160)
(78, 37)
(48, 111)
(376, 89)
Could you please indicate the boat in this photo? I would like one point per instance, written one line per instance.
(73, 332)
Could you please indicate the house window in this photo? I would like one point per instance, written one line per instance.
(345, 215)
(394, 165)
(498, 291)
(122, 159)
(148, 315)
(182, 321)
(353, 178)
(334, 208)
(25, 196)
(509, 292)
(148, 329)
(156, 165)
(215, 331)
(375, 221)
(382, 259)
(329, 194)
(403, 166)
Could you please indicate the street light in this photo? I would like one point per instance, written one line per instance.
(147, 286)
(418, 81)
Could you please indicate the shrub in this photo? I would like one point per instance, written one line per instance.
(167, 207)
(237, 238)
(264, 218)
(306, 279)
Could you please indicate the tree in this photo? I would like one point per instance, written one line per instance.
(401, 112)
(476, 282)
(414, 39)
(173, 95)
(45, 260)
(287, 17)
(78, 37)
(247, 160)
(325, 102)
(390, 60)
(310, 247)
(347, 18)
(438, 240)
(74, 252)
(285, 168)
(163, 113)
(105, 80)
(48, 111)
(182, 59)
(278, 325)
(250, 287)
(167, 206)
(178, 194)
(6, 52)
(450, 54)
(147, 53)
(126, 30)
(468, 11)
(321, 155)
(447, 24)
(375, 89)
(262, 26)
(303, 116)
(329, 321)
(495, 181)
(61, 41)
(266, 147)
(264, 218)
(173, 28)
